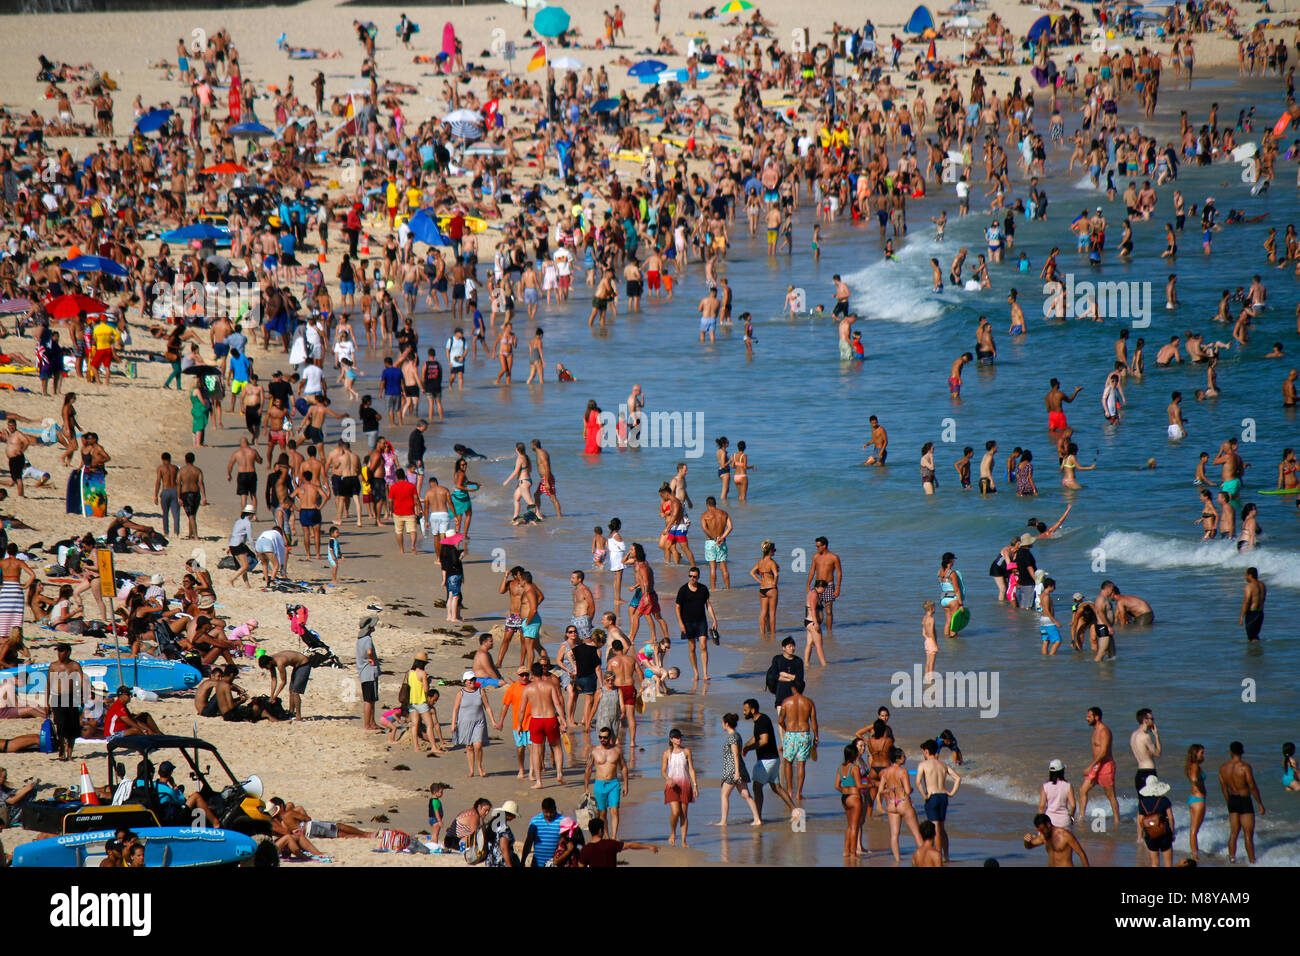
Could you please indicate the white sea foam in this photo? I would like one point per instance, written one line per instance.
(1276, 567)
(901, 291)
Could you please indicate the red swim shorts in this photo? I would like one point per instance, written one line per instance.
(101, 358)
(547, 730)
(1103, 773)
(1056, 421)
(649, 604)
(628, 693)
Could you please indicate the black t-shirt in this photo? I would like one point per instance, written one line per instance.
(280, 389)
(603, 853)
(1025, 565)
(691, 603)
(781, 688)
(586, 660)
(767, 751)
(369, 419)
(417, 447)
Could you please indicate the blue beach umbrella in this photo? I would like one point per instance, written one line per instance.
(647, 68)
(1042, 25)
(96, 264)
(605, 106)
(153, 121)
(202, 231)
(551, 22)
(424, 228)
(250, 129)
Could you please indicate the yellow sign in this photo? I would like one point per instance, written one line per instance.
(107, 583)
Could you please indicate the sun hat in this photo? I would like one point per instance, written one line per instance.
(1154, 788)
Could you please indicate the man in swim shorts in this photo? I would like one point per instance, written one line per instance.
(797, 718)
(1237, 781)
(1102, 770)
(1054, 400)
(606, 761)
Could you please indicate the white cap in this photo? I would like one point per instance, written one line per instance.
(1056, 766)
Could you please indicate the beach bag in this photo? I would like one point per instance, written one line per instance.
(476, 847)
(228, 563)
(394, 840)
(404, 693)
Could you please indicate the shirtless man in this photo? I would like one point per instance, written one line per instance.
(1102, 770)
(879, 441)
(344, 469)
(164, 493)
(1169, 353)
(954, 373)
(513, 584)
(542, 697)
(986, 349)
(926, 853)
(1131, 609)
(299, 667)
(247, 459)
(635, 403)
(1237, 781)
(627, 679)
(1054, 399)
(1105, 619)
(1174, 410)
(189, 479)
(842, 294)
(313, 423)
(310, 497)
(1061, 843)
(252, 396)
(708, 308)
(987, 485)
(1289, 389)
(584, 605)
(437, 510)
(932, 781)
(529, 605)
(717, 528)
(545, 478)
(1252, 605)
(1234, 468)
(607, 763)
(1145, 744)
(67, 691)
(844, 329)
(16, 444)
(482, 665)
(797, 718)
(633, 284)
(276, 433)
(826, 567)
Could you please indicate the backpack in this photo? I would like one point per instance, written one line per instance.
(1154, 826)
(404, 693)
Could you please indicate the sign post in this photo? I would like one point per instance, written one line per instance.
(108, 589)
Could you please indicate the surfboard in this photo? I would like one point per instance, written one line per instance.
(1281, 491)
(1244, 152)
(18, 369)
(147, 673)
(94, 494)
(163, 846)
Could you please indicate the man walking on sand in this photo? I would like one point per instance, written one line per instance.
(192, 491)
(767, 757)
(245, 459)
(1237, 781)
(627, 675)
(826, 567)
(797, 718)
(607, 763)
(545, 724)
(717, 528)
(545, 479)
(1102, 769)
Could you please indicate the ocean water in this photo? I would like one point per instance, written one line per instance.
(803, 414)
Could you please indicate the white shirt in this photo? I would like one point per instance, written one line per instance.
(271, 542)
(312, 379)
(963, 189)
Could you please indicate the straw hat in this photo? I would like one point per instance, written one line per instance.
(509, 807)
(422, 656)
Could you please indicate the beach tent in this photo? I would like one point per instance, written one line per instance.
(1041, 27)
(920, 21)
(424, 228)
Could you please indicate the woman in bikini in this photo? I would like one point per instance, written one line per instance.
(1196, 802)
(848, 781)
(524, 474)
(724, 467)
(767, 572)
(812, 623)
(1209, 519)
(505, 347)
(1286, 470)
(740, 462)
(895, 798)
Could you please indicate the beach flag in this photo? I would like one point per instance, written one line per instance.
(352, 109)
(539, 58)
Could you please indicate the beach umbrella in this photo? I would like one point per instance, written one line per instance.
(201, 370)
(14, 306)
(647, 68)
(527, 4)
(605, 106)
(735, 6)
(965, 22)
(424, 228)
(250, 129)
(572, 64)
(920, 20)
(96, 264)
(201, 231)
(67, 306)
(153, 121)
(467, 124)
(551, 22)
(224, 169)
(1040, 26)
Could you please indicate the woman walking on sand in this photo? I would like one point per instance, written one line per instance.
(680, 788)
(766, 572)
(734, 774)
(467, 717)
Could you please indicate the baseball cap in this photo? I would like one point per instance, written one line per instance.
(468, 675)
(166, 767)
(1056, 766)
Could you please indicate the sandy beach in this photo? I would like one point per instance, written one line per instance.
(325, 761)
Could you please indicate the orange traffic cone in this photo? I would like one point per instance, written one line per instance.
(365, 244)
(88, 795)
